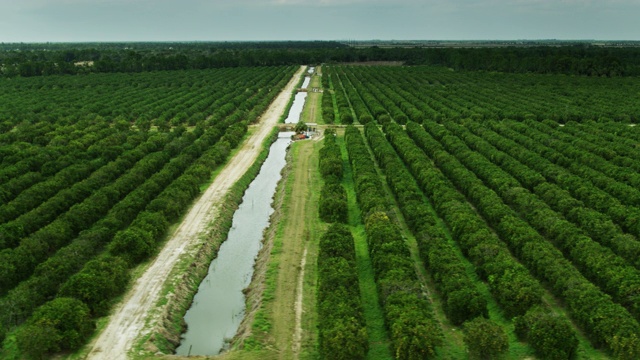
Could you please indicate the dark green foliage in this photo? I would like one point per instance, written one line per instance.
(328, 111)
(378, 100)
(365, 119)
(330, 157)
(462, 300)
(550, 334)
(367, 182)
(159, 172)
(152, 222)
(38, 341)
(335, 243)
(546, 57)
(74, 173)
(510, 282)
(300, 127)
(345, 117)
(98, 283)
(430, 93)
(333, 197)
(328, 114)
(613, 275)
(333, 203)
(345, 340)
(485, 339)
(133, 244)
(589, 306)
(415, 334)
(585, 303)
(342, 331)
(384, 119)
(61, 324)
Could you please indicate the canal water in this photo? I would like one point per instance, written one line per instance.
(296, 108)
(306, 82)
(218, 307)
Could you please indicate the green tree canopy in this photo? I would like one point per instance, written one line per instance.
(301, 126)
(485, 339)
(61, 324)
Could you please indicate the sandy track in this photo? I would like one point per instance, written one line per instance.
(287, 332)
(297, 333)
(128, 319)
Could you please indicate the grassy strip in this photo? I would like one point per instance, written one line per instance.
(316, 81)
(342, 328)
(193, 268)
(312, 110)
(374, 318)
(453, 346)
(261, 339)
(517, 349)
(313, 228)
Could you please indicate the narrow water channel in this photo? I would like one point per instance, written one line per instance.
(306, 82)
(218, 307)
(296, 108)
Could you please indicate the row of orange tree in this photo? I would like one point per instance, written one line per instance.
(122, 209)
(517, 292)
(595, 261)
(413, 330)
(561, 199)
(342, 332)
(333, 197)
(439, 93)
(539, 158)
(539, 255)
(528, 168)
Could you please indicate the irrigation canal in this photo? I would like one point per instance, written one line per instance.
(218, 307)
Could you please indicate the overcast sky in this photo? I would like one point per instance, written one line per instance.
(217, 20)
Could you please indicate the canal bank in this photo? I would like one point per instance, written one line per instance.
(218, 307)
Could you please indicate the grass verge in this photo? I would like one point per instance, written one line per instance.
(294, 227)
(378, 340)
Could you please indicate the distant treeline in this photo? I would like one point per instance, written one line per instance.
(58, 58)
(583, 60)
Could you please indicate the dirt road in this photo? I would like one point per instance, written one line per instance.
(287, 309)
(128, 319)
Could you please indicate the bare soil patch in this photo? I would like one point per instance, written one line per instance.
(297, 332)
